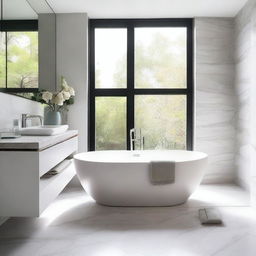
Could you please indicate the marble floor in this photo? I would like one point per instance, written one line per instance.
(75, 225)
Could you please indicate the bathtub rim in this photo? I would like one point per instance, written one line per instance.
(79, 156)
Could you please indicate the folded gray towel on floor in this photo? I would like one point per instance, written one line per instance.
(162, 172)
(209, 216)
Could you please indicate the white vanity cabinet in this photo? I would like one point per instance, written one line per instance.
(23, 162)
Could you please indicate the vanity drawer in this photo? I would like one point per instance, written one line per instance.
(52, 156)
(51, 187)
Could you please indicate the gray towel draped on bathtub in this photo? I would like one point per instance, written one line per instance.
(162, 172)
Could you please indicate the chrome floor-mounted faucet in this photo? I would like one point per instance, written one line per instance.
(25, 117)
(136, 138)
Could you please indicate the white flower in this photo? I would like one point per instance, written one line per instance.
(66, 95)
(71, 91)
(64, 84)
(67, 88)
(47, 96)
(58, 99)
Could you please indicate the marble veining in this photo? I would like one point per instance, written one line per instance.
(245, 79)
(215, 97)
(75, 225)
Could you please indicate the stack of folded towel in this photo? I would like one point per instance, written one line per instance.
(58, 168)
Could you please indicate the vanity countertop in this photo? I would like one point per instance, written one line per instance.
(35, 143)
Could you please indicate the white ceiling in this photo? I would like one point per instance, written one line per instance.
(17, 9)
(24, 9)
(149, 8)
(40, 6)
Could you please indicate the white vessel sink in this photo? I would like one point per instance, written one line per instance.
(45, 130)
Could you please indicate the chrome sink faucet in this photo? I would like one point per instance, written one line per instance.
(25, 117)
(136, 138)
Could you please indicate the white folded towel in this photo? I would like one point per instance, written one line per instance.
(162, 172)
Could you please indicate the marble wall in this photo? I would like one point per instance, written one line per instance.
(245, 53)
(12, 107)
(215, 97)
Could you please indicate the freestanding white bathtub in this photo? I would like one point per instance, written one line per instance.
(121, 178)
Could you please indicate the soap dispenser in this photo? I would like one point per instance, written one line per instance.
(16, 127)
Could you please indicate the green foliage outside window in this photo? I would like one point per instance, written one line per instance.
(21, 60)
(161, 63)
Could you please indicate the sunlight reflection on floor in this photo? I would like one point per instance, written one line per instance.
(63, 204)
(205, 196)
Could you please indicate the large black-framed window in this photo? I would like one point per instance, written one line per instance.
(131, 93)
(15, 34)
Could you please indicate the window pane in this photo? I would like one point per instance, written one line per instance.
(110, 58)
(2, 60)
(160, 57)
(110, 123)
(162, 119)
(22, 56)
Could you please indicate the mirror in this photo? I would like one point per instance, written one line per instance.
(27, 46)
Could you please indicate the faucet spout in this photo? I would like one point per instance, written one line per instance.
(136, 138)
(25, 117)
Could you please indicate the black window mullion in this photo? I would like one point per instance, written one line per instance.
(6, 61)
(110, 92)
(19, 25)
(190, 86)
(91, 105)
(130, 82)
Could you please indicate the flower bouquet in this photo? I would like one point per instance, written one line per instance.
(56, 101)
